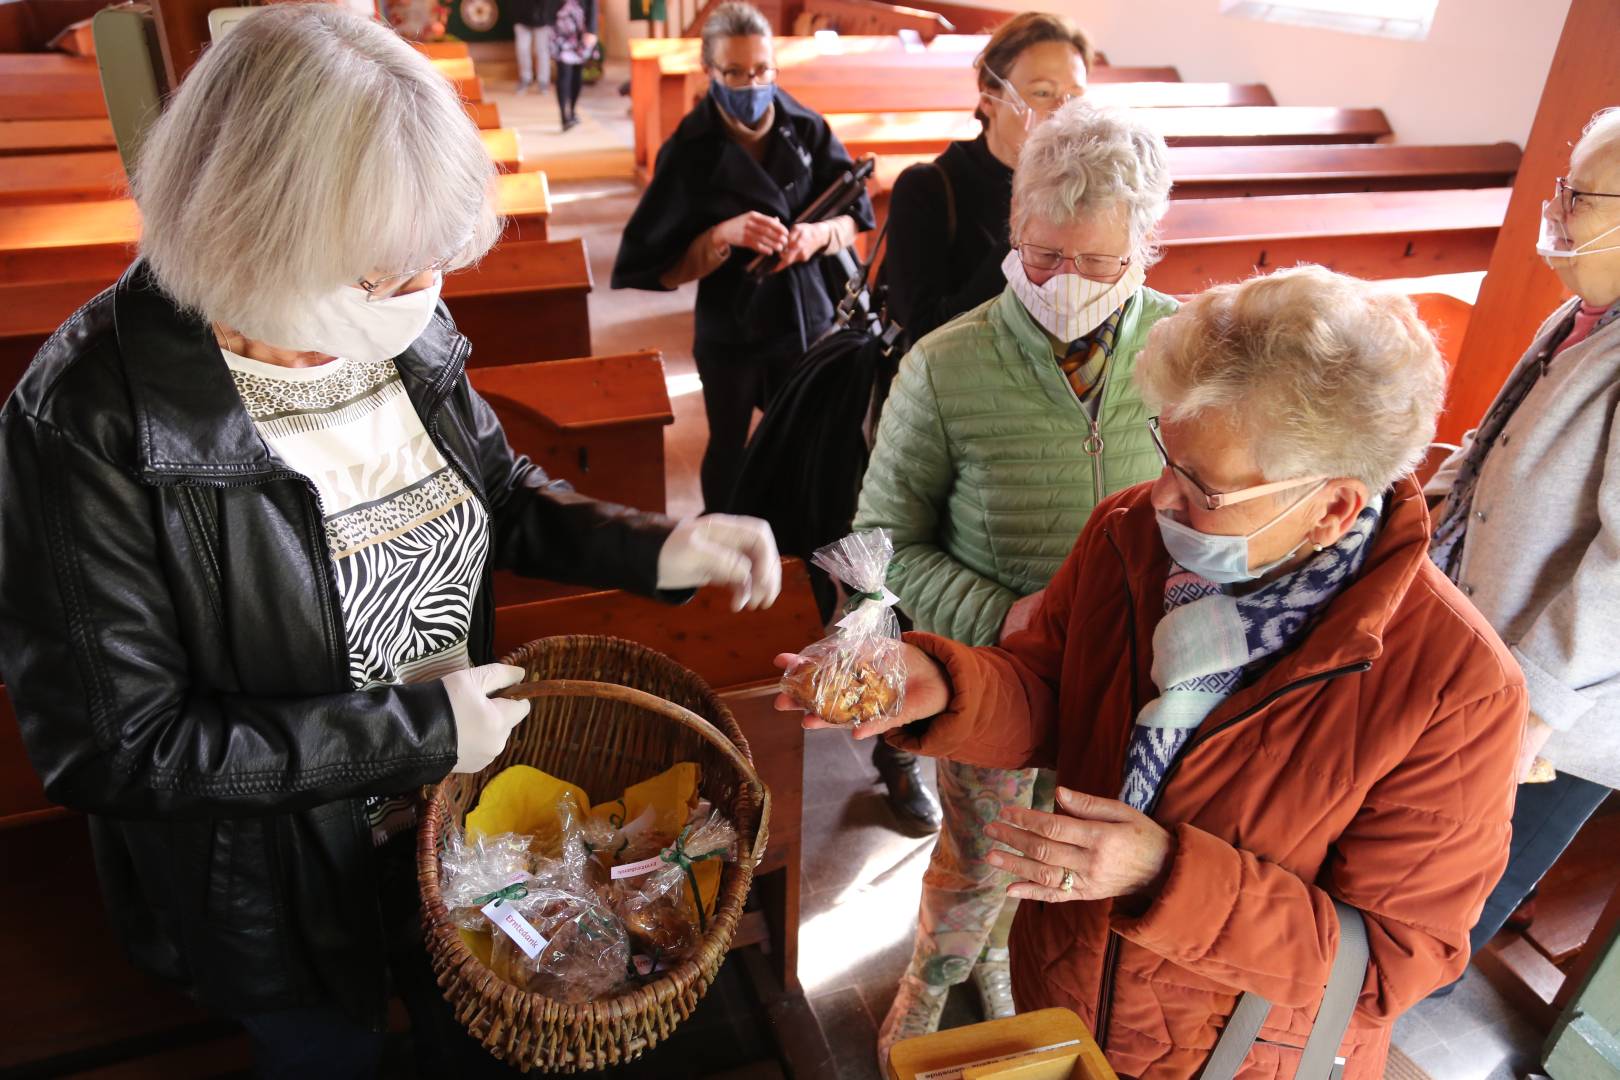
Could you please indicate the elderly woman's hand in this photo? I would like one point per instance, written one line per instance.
(928, 692)
(1107, 848)
(753, 230)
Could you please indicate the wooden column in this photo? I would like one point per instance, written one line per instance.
(1519, 290)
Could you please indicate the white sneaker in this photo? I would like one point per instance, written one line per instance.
(993, 979)
(916, 1011)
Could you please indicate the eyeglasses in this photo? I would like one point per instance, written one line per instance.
(1105, 268)
(1567, 195)
(738, 77)
(1215, 500)
(1044, 100)
(385, 287)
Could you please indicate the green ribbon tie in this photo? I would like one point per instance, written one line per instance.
(678, 856)
(515, 891)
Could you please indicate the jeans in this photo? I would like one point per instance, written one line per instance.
(533, 53)
(1545, 819)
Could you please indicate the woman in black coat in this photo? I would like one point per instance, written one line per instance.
(727, 185)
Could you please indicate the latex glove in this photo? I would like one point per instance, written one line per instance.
(719, 549)
(483, 723)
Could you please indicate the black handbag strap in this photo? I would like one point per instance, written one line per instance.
(1319, 1059)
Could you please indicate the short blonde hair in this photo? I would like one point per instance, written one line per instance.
(1086, 160)
(1327, 375)
(307, 149)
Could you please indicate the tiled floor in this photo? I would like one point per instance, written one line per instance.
(861, 876)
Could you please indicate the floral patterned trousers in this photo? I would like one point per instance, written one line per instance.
(963, 895)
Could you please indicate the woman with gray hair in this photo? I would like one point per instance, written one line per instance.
(249, 512)
(1002, 432)
(1266, 706)
(1527, 514)
(727, 187)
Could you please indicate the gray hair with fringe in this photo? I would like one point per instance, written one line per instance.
(307, 149)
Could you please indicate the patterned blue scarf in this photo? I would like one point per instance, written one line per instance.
(1210, 639)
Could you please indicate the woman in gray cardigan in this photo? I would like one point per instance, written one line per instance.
(1527, 522)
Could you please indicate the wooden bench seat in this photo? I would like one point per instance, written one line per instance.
(666, 75)
(460, 72)
(442, 50)
(525, 301)
(1375, 234)
(597, 422)
(55, 136)
(502, 144)
(36, 178)
(843, 94)
(931, 132)
(94, 241)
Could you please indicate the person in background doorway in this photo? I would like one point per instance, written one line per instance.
(531, 34)
(573, 37)
(726, 186)
(948, 237)
(1527, 522)
(1005, 428)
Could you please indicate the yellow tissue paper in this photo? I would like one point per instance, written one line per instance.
(524, 800)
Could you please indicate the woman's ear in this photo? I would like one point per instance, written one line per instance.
(1345, 500)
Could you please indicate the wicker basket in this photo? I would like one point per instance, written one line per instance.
(605, 714)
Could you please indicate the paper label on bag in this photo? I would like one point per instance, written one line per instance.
(636, 869)
(515, 926)
(954, 1072)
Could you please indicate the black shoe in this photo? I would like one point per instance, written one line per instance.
(916, 807)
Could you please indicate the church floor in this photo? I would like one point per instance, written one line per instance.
(861, 878)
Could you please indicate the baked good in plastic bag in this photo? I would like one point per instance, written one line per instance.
(856, 675)
(473, 870)
(583, 952)
(661, 902)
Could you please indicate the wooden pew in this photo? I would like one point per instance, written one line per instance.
(442, 50)
(81, 999)
(1216, 172)
(1377, 234)
(931, 132)
(502, 144)
(732, 652)
(869, 17)
(55, 136)
(94, 241)
(666, 74)
(486, 114)
(460, 72)
(36, 178)
(956, 90)
(525, 301)
(596, 422)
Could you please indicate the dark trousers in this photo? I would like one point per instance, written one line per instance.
(570, 77)
(1545, 819)
(734, 385)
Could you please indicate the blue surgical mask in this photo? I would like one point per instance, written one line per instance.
(746, 104)
(1222, 559)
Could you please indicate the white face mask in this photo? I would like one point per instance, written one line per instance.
(1553, 241)
(1068, 305)
(346, 323)
(1224, 559)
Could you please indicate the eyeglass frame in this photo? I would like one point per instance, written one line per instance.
(373, 288)
(766, 72)
(1018, 102)
(1566, 195)
(1217, 500)
(1109, 277)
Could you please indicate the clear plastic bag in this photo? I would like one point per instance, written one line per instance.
(583, 954)
(856, 675)
(663, 908)
(472, 872)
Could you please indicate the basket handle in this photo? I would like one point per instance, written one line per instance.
(547, 688)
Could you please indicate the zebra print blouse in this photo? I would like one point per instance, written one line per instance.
(407, 537)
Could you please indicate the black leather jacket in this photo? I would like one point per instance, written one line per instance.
(171, 636)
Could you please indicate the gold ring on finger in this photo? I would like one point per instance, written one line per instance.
(1067, 884)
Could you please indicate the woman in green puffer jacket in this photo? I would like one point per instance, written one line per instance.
(1002, 431)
